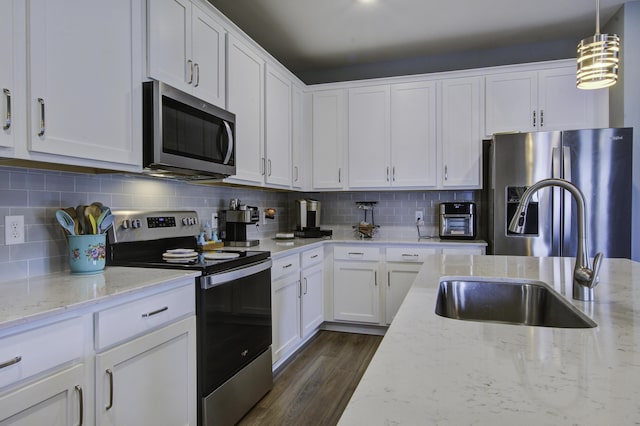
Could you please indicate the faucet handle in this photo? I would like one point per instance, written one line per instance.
(597, 261)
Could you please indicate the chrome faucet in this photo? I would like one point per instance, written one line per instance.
(584, 278)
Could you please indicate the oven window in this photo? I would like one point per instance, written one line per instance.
(234, 327)
(189, 132)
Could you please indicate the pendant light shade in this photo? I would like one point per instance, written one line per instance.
(598, 58)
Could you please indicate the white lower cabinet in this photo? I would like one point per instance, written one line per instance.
(356, 287)
(149, 377)
(403, 265)
(297, 283)
(56, 400)
(149, 380)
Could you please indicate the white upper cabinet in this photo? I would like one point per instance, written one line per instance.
(7, 80)
(298, 141)
(461, 137)
(278, 128)
(328, 139)
(413, 134)
(246, 100)
(542, 100)
(84, 80)
(369, 139)
(187, 49)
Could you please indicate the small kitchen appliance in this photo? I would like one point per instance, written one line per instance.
(458, 220)
(308, 219)
(233, 306)
(236, 225)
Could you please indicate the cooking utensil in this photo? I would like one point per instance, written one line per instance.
(106, 223)
(92, 222)
(66, 221)
(82, 224)
(105, 212)
(72, 212)
(91, 213)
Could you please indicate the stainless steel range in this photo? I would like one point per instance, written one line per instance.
(233, 306)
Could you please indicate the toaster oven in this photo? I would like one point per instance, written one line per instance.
(458, 220)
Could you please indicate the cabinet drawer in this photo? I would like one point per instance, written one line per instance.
(34, 351)
(409, 254)
(356, 253)
(122, 322)
(285, 265)
(313, 256)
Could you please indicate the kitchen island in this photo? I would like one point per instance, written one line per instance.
(435, 370)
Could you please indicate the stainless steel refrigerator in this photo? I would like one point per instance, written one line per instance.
(598, 161)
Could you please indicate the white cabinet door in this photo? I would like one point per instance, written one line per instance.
(369, 117)
(461, 138)
(150, 380)
(7, 79)
(413, 134)
(246, 100)
(186, 49)
(208, 56)
(278, 128)
(328, 134)
(562, 106)
(356, 293)
(312, 309)
(400, 278)
(298, 143)
(169, 42)
(286, 314)
(56, 400)
(511, 102)
(85, 75)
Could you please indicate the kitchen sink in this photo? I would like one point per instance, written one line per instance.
(507, 301)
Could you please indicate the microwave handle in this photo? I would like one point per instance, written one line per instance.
(230, 146)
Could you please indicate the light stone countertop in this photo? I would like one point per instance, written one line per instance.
(431, 370)
(30, 299)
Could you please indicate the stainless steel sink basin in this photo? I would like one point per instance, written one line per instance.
(504, 301)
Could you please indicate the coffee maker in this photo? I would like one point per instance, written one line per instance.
(236, 225)
(308, 219)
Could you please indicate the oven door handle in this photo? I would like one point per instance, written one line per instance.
(209, 281)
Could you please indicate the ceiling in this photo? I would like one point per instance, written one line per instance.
(316, 35)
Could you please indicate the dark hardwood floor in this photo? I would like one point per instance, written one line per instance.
(315, 386)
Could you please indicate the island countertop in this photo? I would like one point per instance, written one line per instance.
(434, 370)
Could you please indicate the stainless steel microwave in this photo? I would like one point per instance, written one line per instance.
(184, 137)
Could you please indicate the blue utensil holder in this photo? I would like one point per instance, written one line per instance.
(87, 253)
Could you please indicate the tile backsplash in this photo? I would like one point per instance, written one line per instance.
(37, 194)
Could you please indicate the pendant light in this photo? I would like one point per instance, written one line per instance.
(598, 58)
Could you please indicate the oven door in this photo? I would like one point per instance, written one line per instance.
(234, 322)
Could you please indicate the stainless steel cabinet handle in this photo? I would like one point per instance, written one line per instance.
(42, 121)
(197, 67)
(409, 255)
(541, 118)
(110, 374)
(339, 175)
(262, 166)
(7, 101)
(190, 65)
(11, 362)
(389, 279)
(156, 312)
(355, 253)
(534, 119)
(287, 266)
(269, 166)
(375, 278)
(227, 129)
(393, 173)
(295, 173)
(306, 288)
(387, 174)
(299, 289)
(446, 173)
(314, 256)
(80, 405)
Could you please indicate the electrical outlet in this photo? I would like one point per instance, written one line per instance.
(214, 220)
(420, 217)
(13, 230)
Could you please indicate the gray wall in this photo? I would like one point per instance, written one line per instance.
(624, 97)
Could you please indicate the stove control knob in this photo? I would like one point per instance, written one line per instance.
(195, 220)
(136, 223)
(126, 223)
(185, 220)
